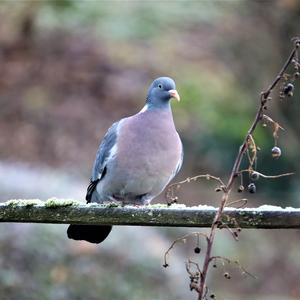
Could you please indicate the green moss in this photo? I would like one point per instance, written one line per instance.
(22, 202)
(54, 202)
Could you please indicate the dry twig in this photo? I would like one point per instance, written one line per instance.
(250, 148)
(235, 170)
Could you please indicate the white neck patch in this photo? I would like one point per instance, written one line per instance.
(145, 108)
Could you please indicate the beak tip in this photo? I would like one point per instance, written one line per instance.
(174, 94)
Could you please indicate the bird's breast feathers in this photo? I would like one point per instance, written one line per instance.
(149, 143)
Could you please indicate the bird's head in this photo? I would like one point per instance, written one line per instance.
(161, 91)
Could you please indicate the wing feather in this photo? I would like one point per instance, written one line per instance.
(180, 160)
(102, 156)
(104, 150)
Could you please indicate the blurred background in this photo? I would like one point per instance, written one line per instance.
(69, 69)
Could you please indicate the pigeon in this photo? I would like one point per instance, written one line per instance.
(137, 158)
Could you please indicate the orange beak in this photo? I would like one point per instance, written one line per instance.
(174, 94)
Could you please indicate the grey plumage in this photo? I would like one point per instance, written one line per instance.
(137, 158)
(105, 147)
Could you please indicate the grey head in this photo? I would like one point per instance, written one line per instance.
(160, 92)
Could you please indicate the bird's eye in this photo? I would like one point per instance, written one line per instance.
(160, 86)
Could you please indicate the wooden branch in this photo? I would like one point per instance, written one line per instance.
(68, 211)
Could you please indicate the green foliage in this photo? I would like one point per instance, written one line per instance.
(217, 103)
(127, 20)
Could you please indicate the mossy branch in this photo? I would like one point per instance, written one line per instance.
(68, 211)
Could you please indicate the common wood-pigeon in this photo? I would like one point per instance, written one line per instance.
(137, 158)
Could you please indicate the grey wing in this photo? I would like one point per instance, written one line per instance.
(104, 150)
(103, 154)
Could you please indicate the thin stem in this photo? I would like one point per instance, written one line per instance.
(210, 244)
(267, 176)
(182, 239)
(235, 170)
(229, 261)
(169, 194)
(244, 202)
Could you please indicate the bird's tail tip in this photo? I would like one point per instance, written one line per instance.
(90, 233)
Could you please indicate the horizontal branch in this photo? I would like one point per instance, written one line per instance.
(71, 212)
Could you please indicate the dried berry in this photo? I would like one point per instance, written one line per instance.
(276, 152)
(254, 175)
(227, 275)
(197, 250)
(241, 188)
(288, 89)
(252, 188)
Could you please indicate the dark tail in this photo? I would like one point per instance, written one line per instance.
(90, 233)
